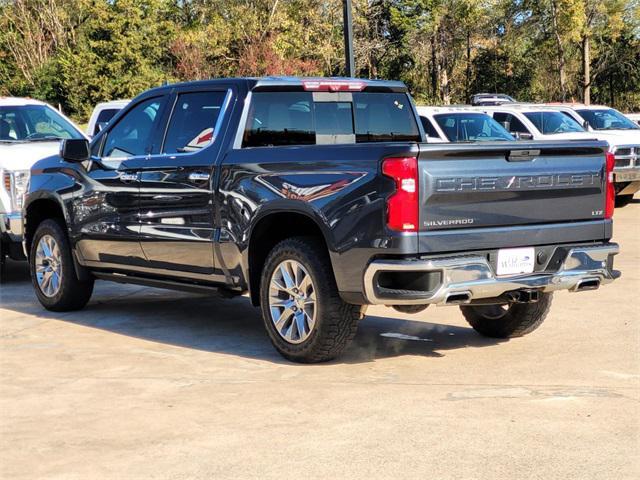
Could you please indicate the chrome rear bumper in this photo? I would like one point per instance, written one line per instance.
(466, 278)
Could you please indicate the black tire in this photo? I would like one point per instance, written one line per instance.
(336, 322)
(516, 319)
(623, 200)
(72, 294)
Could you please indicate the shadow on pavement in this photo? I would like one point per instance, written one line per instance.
(229, 326)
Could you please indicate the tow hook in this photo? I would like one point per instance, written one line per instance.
(523, 296)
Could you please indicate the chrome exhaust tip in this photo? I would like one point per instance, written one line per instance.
(458, 298)
(588, 284)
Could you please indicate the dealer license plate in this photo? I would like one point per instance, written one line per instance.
(512, 261)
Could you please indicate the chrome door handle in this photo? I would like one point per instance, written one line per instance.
(128, 177)
(199, 177)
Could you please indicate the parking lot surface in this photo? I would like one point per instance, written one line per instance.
(147, 383)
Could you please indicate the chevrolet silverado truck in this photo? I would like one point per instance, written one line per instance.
(318, 197)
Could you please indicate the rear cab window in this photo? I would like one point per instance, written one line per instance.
(317, 118)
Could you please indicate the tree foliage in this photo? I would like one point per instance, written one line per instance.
(79, 52)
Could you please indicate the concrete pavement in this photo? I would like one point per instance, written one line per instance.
(146, 383)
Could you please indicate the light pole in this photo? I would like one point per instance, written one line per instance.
(348, 39)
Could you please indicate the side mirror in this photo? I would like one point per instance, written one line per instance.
(523, 135)
(586, 125)
(505, 125)
(101, 126)
(75, 150)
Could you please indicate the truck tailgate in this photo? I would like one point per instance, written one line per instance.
(494, 187)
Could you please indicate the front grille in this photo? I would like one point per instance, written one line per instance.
(627, 156)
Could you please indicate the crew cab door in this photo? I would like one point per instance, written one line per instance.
(176, 184)
(106, 206)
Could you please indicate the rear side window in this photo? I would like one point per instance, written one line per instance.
(511, 123)
(294, 118)
(193, 121)
(429, 128)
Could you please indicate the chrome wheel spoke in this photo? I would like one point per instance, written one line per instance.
(286, 276)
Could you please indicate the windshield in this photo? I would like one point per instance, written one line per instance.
(607, 119)
(471, 127)
(549, 123)
(34, 123)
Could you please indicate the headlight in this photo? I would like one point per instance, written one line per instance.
(16, 184)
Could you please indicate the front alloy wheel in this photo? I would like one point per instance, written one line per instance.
(53, 274)
(48, 266)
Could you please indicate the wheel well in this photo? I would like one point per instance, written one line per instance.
(37, 212)
(268, 232)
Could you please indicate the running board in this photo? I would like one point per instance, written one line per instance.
(168, 284)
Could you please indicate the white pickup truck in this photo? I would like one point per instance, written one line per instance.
(623, 136)
(29, 131)
(564, 122)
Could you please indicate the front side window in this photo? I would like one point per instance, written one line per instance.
(104, 117)
(549, 123)
(193, 121)
(294, 118)
(607, 119)
(34, 123)
(471, 127)
(131, 136)
(510, 122)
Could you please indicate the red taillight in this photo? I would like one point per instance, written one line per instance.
(610, 192)
(402, 206)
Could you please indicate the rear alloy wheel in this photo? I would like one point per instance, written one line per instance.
(508, 320)
(52, 271)
(303, 313)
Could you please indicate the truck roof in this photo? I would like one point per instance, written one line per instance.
(520, 107)
(18, 101)
(296, 83)
(431, 109)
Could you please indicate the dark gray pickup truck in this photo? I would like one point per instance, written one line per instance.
(318, 197)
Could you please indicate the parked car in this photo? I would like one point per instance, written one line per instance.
(532, 122)
(102, 114)
(29, 130)
(491, 99)
(459, 124)
(623, 136)
(318, 197)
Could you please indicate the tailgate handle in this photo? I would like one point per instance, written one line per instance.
(522, 155)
